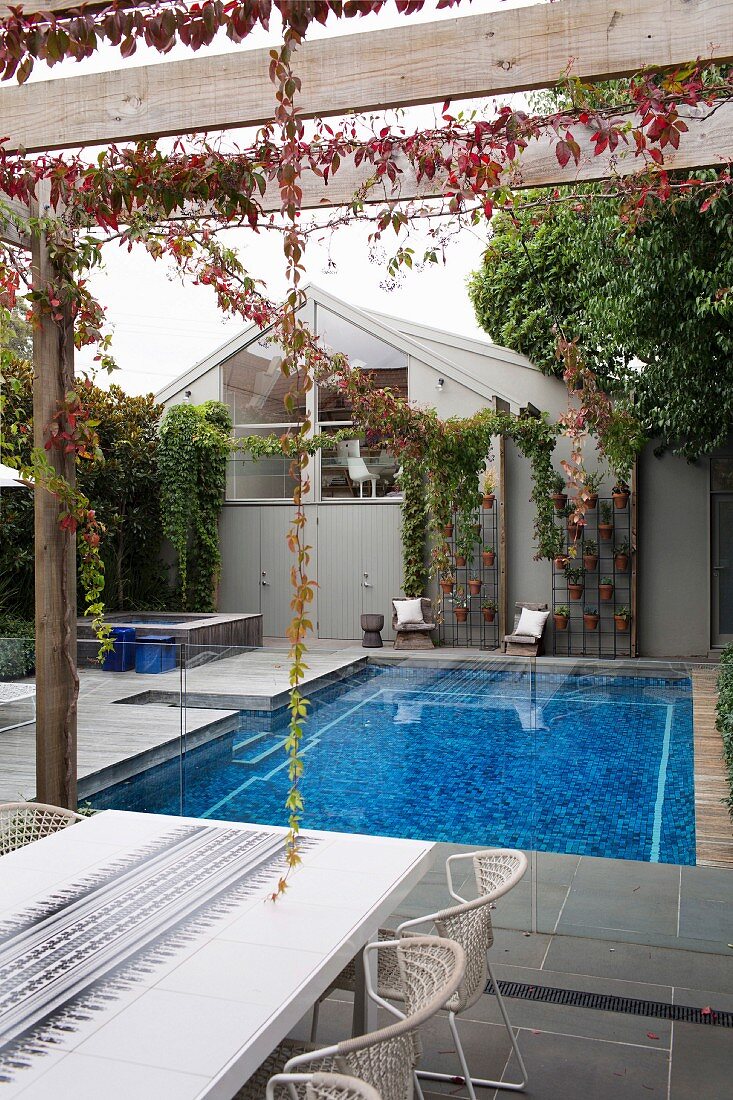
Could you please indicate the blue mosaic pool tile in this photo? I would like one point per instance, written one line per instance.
(561, 763)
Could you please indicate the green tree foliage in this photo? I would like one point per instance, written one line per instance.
(659, 291)
(123, 489)
(192, 456)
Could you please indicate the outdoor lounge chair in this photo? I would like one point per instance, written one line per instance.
(14, 693)
(23, 822)
(430, 971)
(319, 1086)
(526, 645)
(414, 635)
(496, 871)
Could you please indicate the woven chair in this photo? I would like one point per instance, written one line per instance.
(23, 822)
(496, 871)
(318, 1086)
(431, 971)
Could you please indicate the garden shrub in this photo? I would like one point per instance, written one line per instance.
(725, 715)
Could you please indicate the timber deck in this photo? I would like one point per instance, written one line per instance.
(713, 826)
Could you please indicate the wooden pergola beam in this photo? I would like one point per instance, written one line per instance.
(471, 56)
(9, 232)
(707, 144)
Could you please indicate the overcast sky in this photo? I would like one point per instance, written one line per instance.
(162, 327)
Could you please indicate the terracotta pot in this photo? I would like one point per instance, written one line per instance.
(620, 500)
(474, 587)
(592, 501)
(560, 562)
(575, 591)
(590, 561)
(621, 623)
(447, 587)
(621, 561)
(591, 622)
(461, 613)
(605, 591)
(574, 530)
(460, 560)
(489, 499)
(605, 531)
(487, 557)
(561, 622)
(559, 500)
(448, 530)
(489, 616)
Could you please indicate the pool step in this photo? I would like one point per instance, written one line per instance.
(254, 742)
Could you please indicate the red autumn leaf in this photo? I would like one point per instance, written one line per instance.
(562, 152)
(651, 1035)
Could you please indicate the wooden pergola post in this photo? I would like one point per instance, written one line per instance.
(55, 553)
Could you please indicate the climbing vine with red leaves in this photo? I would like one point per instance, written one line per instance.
(176, 203)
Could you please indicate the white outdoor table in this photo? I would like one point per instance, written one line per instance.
(139, 956)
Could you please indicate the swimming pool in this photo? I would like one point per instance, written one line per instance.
(592, 765)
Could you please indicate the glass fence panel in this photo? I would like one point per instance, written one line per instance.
(129, 724)
(17, 719)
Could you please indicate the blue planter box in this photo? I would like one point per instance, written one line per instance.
(122, 656)
(155, 653)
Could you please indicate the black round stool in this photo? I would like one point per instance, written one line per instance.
(371, 625)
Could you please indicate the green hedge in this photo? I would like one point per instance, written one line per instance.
(725, 715)
(17, 647)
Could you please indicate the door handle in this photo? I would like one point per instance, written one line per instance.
(366, 582)
(263, 581)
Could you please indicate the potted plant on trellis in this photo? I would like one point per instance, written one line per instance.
(460, 559)
(621, 617)
(590, 618)
(590, 555)
(621, 557)
(575, 528)
(620, 494)
(591, 484)
(474, 586)
(575, 581)
(447, 582)
(561, 616)
(605, 588)
(489, 489)
(558, 496)
(489, 609)
(605, 525)
(460, 605)
(448, 530)
(488, 556)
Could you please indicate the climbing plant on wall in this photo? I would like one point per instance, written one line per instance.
(192, 458)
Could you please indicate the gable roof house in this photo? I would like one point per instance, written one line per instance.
(354, 504)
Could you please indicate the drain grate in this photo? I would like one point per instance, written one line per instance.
(606, 1002)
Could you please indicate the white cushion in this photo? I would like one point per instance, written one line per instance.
(408, 611)
(532, 622)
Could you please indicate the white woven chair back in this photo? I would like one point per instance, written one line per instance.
(23, 822)
(432, 970)
(319, 1086)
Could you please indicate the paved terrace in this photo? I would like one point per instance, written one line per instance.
(599, 926)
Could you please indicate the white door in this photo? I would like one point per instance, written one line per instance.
(239, 587)
(275, 564)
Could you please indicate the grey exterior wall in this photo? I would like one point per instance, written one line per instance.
(674, 557)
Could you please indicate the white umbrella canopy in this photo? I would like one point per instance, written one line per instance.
(10, 478)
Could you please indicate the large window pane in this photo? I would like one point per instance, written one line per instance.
(385, 364)
(254, 385)
(357, 470)
(263, 479)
